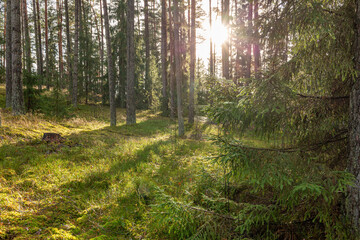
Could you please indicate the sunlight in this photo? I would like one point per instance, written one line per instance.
(219, 33)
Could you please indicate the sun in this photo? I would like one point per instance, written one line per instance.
(219, 33)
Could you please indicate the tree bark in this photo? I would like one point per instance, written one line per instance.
(59, 20)
(68, 43)
(256, 44)
(225, 46)
(248, 53)
(17, 88)
(8, 56)
(211, 42)
(76, 55)
(111, 73)
(102, 50)
(178, 68)
(192, 62)
(130, 97)
(172, 68)
(47, 71)
(39, 41)
(27, 38)
(353, 198)
(147, 54)
(165, 99)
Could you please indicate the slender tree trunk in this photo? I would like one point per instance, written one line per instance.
(8, 55)
(225, 46)
(17, 88)
(27, 38)
(165, 99)
(211, 42)
(111, 72)
(172, 68)
(178, 67)
(68, 44)
(192, 62)
(353, 198)
(39, 41)
(248, 53)
(256, 45)
(130, 97)
(102, 50)
(47, 71)
(147, 53)
(59, 19)
(76, 55)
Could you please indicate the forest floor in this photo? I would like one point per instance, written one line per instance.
(101, 182)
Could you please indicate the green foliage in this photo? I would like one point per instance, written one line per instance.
(31, 95)
(55, 104)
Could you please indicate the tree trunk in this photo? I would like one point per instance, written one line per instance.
(17, 88)
(59, 20)
(192, 62)
(8, 56)
(225, 46)
(68, 43)
(47, 46)
(256, 44)
(172, 68)
(111, 72)
(147, 54)
(39, 41)
(353, 198)
(27, 38)
(248, 53)
(178, 68)
(211, 43)
(165, 99)
(102, 50)
(76, 55)
(130, 97)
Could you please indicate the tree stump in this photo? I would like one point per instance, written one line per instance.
(52, 137)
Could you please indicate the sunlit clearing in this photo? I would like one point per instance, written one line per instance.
(219, 33)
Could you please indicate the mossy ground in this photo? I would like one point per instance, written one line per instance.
(101, 182)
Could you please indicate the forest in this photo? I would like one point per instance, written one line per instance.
(180, 119)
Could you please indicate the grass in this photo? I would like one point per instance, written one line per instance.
(101, 183)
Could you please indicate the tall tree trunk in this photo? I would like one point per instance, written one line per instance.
(76, 55)
(353, 198)
(37, 47)
(130, 97)
(102, 51)
(68, 43)
(8, 55)
(225, 46)
(172, 68)
(178, 67)
(256, 44)
(27, 38)
(111, 72)
(59, 20)
(248, 53)
(47, 71)
(165, 99)
(17, 88)
(211, 42)
(39, 41)
(147, 54)
(192, 62)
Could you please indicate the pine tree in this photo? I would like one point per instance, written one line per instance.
(76, 56)
(17, 88)
(111, 72)
(130, 71)
(192, 62)
(8, 55)
(164, 100)
(178, 68)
